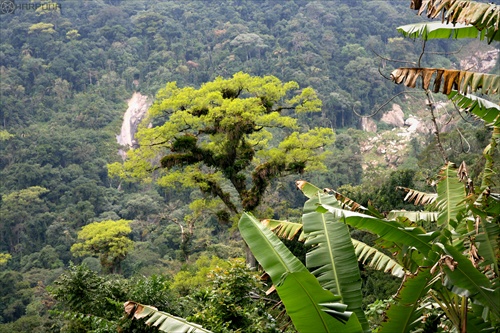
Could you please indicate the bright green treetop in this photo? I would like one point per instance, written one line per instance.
(238, 132)
(107, 239)
(4, 258)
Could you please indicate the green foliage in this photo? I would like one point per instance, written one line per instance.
(106, 239)
(88, 302)
(4, 135)
(195, 276)
(232, 301)
(66, 73)
(81, 291)
(21, 212)
(47, 258)
(14, 295)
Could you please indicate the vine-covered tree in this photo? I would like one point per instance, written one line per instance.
(229, 138)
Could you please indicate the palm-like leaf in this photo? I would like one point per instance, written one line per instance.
(489, 169)
(482, 108)
(379, 261)
(447, 80)
(299, 290)
(332, 258)
(163, 321)
(406, 313)
(451, 195)
(346, 202)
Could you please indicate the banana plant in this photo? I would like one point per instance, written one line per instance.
(448, 261)
(466, 251)
(442, 268)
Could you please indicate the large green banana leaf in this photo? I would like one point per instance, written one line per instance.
(484, 16)
(389, 230)
(487, 241)
(379, 261)
(268, 249)
(163, 321)
(438, 30)
(312, 308)
(299, 290)
(332, 258)
(451, 195)
(406, 313)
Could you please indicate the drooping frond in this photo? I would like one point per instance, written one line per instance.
(483, 16)
(284, 229)
(488, 243)
(391, 231)
(346, 202)
(482, 108)
(413, 216)
(163, 321)
(379, 261)
(417, 197)
(447, 80)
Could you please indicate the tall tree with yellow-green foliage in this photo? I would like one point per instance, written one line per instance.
(229, 138)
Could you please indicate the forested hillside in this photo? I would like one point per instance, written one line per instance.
(66, 75)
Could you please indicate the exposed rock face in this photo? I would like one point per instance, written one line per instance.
(395, 117)
(412, 124)
(368, 125)
(416, 125)
(138, 105)
(482, 62)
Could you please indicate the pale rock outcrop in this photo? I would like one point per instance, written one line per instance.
(368, 125)
(416, 125)
(395, 117)
(482, 62)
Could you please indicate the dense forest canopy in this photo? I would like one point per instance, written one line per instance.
(66, 73)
